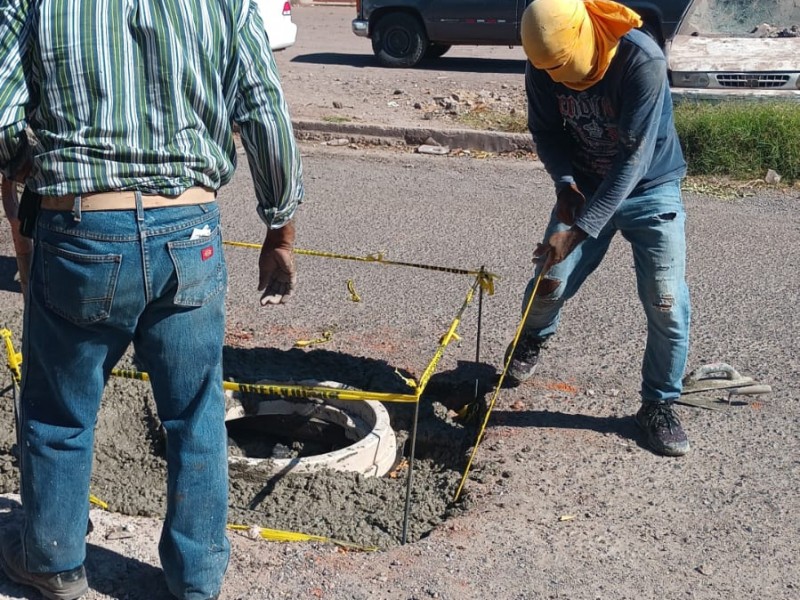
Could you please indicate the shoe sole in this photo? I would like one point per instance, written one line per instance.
(50, 595)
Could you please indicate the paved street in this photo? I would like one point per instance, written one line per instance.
(564, 503)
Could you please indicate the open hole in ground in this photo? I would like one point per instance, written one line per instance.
(130, 471)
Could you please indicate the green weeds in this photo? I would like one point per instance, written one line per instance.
(741, 140)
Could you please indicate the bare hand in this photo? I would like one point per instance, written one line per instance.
(277, 274)
(569, 204)
(559, 246)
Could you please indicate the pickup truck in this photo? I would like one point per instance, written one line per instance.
(403, 32)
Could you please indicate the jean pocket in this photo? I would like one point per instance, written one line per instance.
(78, 286)
(199, 267)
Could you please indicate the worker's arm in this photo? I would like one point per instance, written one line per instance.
(546, 125)
(263, 117)
(640, 116)
(14, 94)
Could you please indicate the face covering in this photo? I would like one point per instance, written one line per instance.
(575, 40)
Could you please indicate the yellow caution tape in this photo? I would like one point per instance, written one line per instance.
(407, 380)
(276, 535)
(445, 340)
(448, 337)
(327, 336)
(351, 287)
(13, 357)
(487, 281)
(290, 390)
(498, 386)
(378, 257)
(97, 502)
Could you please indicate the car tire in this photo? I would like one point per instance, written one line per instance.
(399, 40)
(436, 50)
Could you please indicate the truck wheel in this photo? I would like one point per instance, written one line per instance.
(436, 50)
(399, 40)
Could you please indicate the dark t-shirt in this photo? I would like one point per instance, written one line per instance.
(614, 139)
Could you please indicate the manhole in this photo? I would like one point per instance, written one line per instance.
(275, 436)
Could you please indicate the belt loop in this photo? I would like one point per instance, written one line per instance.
(139, 207)
(76, 209)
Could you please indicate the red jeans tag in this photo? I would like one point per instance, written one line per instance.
(207, 252)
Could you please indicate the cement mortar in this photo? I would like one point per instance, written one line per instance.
(130, 470)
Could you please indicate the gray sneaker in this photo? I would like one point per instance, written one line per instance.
(66, 585)
(526, 356)
(665, 435)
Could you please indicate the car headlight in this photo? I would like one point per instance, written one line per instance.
(691, 80)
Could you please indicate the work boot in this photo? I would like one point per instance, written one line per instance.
(526, 356)
(66, 585)
(665, 435)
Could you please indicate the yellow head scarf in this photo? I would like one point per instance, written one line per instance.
(575, 40)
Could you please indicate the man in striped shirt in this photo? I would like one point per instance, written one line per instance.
(132, 103)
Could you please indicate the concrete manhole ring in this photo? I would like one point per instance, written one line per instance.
(372, 450)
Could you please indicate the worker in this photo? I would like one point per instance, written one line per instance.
(132, 104)
(600, 113)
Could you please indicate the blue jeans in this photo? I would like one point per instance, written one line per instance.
(101, 280)
(653, 223)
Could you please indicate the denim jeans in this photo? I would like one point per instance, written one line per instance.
(653, 223)
(100, 281)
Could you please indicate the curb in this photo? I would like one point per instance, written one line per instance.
(467, 139)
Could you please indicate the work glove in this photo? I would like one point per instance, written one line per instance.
(276, 271)
(569, 204)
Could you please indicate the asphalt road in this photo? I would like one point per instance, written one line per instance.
(722, 522)
(468, 213)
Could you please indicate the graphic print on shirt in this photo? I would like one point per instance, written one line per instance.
(592, 124)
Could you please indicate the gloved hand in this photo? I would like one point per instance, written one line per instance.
(276, 271)
(569, 204)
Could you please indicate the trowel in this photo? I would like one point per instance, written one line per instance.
(718, 376)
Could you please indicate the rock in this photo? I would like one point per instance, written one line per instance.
(398, 92)
(418, 105)
(337, 104)
(337, 142)
(705, 570)
(763, 30)
(428, 149)
(392, 104)
(772, 177)
(119, 533)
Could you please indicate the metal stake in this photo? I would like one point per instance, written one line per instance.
(410, 473)
(478, 335)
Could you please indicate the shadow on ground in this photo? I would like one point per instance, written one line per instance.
(109, 573)
(8, 272)
(454, 64)
(624, 427)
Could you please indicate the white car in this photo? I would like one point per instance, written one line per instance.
(277, 17)
(737, 49)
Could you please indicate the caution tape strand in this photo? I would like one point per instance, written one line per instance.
(486, 278)
(498, 386)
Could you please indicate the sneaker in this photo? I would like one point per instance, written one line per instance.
(66, 585)
(526, 356)
(665, 435)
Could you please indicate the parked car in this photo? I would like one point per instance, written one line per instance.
(403, 32)
(727, 49)
(277, 17)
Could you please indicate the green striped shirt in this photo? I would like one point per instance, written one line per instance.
(141, 95)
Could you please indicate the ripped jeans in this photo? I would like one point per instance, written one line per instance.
(653, 223)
